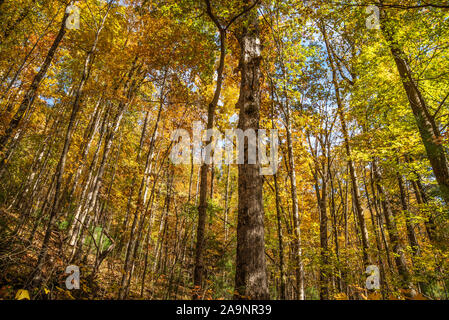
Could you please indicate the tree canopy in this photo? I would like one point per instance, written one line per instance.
(357, 206)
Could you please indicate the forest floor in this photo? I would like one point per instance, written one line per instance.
(18, 257)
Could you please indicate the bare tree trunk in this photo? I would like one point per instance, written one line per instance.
(225, 224)
(198, 272)
(192, 167)
(198, 179)
(322, 206)
(88, 139)
(295, 211)
(408, 223)
(333, 210)
(374, 223)
(392, 230)
(147, 245)
(251, 271)
(278, 215)
(101, 255)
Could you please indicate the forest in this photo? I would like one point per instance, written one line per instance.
(103, 101)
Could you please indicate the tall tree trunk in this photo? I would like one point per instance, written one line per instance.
(148, 241)
(31, 93)
(71, 126)
(89, 136)
(141, 203)
(251, 271)
(333, 210)
(25, 59)
(390, 221)
(355, 189)
(295, 209)
(408, 223)
(278, 216)
(198, 272)
(130, 88)
(421, 199)
(11, 26)
(378, 241)
(192, 168)
(226, 209)
(428, 129)
(322, 205)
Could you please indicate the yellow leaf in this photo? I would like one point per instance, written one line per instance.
(341, 296)
(70, 295)
(374, 296)
(22, 295)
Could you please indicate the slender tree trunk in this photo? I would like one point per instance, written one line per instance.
(192, 168)
(374, 224)
(421, 199)
(295, 211)
(25, 59)
(408, 223)
(31, 93)
(355, 189)
(141, 202)
(225, 224)
(278, 214)
(148, 242)
(198, 272)
(333, 211)
(11, 26)
(89, 136)
(390, 221)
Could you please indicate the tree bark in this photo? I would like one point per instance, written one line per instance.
(251, 272)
